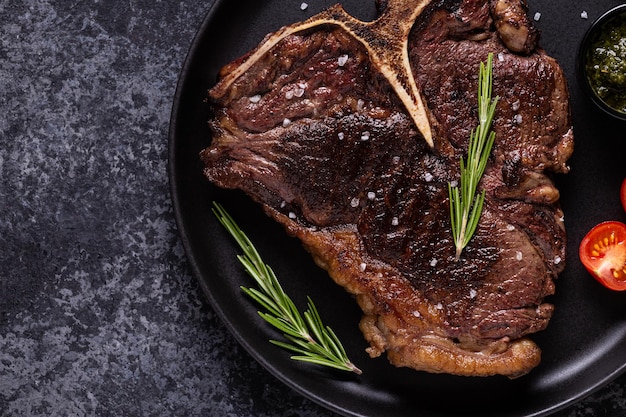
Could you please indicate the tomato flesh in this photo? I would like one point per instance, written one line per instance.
(622, 194)
(603, 253)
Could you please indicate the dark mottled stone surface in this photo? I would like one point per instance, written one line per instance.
(99, 314)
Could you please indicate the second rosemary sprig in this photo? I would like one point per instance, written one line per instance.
(307, 336)
(465, 206)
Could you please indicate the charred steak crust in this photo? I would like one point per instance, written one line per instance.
(314, 132)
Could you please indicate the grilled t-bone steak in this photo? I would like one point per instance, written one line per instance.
(348, 134)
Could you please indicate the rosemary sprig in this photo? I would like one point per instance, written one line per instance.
(307, 336)
(465, 206)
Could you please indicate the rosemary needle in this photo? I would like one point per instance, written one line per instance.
(465, 206)
(307, 336)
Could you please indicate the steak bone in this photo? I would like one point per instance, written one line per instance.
(385, 39)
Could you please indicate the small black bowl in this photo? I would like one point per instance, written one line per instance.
(594, 33)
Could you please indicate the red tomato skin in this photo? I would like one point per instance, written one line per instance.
(599, 266)
(622, 194)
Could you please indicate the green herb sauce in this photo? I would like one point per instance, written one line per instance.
(606, 63)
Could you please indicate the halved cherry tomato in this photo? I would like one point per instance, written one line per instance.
(603, 252)
(622, 194)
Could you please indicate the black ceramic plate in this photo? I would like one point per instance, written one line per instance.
(584, 346)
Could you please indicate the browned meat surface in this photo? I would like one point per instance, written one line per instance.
(313, 127)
